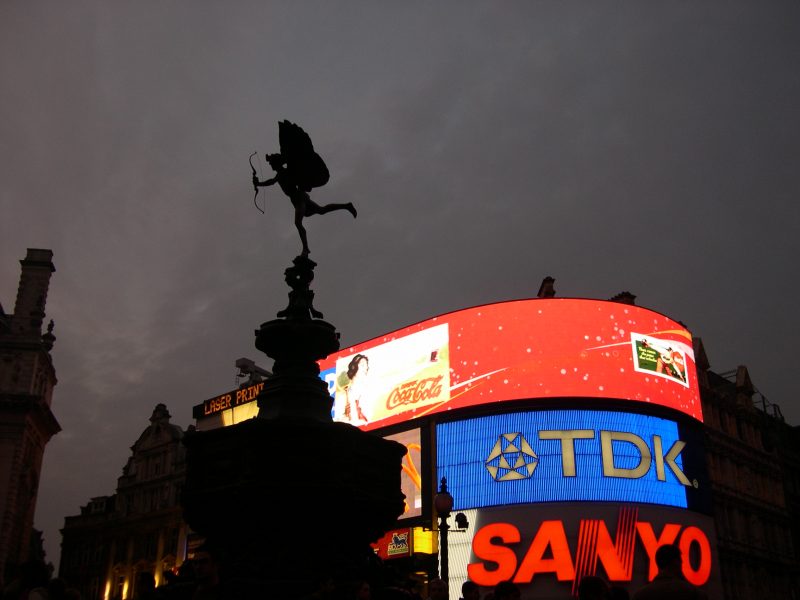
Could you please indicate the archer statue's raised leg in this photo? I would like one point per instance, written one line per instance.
(321, 210)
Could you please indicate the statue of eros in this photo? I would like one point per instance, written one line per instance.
(298, 169)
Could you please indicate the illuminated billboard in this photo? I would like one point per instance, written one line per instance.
(410, 477)
(547, 549)
(563, 455)
(394, 544)
(229, 408)
(525, 349)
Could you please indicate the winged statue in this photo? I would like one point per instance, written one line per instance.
(298, 170)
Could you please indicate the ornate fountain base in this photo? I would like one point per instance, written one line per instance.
(291, 496)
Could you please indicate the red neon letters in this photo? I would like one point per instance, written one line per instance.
(491, 545)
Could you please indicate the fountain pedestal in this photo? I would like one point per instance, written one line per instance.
(291, 496)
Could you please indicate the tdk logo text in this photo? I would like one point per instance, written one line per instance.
(513, 458)
(565, 455)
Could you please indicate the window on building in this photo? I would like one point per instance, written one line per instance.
(731, 424)
(715, 417)
(172, 541)
(151, 545)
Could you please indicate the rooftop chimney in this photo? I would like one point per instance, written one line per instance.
(37, 267)
(546, 290)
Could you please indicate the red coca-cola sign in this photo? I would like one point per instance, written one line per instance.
(526, 349)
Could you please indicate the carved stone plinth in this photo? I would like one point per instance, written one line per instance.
(291, 495)
(295, 389)
(287, 499)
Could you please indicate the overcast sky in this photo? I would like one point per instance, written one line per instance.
(643, 146)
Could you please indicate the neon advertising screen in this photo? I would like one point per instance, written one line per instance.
(410, 473)
(229, 408)
(524, 349)
(561, 456)
(547, 549)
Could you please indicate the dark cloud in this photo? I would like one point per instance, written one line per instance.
(641, 146)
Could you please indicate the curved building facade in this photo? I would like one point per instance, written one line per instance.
(569, 432)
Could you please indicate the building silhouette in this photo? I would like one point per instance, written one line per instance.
(139, 528)
(27, 379)
(753, 459)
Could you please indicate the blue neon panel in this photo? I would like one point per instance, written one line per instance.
(329, 377)
(463, 448)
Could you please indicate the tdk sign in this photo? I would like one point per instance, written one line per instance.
(511, 458)
(566, 455)
(515, 459)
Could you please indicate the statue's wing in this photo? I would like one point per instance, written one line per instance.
(306, 166)
(314, 172)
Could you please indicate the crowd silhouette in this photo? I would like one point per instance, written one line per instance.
(199, 579)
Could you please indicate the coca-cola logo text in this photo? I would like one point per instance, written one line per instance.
(415, 391)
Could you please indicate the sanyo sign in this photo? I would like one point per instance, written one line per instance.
(547, 456)
(503, 551)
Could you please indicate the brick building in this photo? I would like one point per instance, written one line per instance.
(27, 379)
(753, 459)
(140, 527)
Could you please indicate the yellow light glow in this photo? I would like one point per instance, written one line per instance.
(245, 412)
(125, 590)
(423, 541)
(237, 414)
(107, 592)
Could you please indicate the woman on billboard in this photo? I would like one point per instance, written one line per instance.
(353, 386)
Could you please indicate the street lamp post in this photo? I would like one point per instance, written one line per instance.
(443, 503)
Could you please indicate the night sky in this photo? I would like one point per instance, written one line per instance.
(641, 146)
